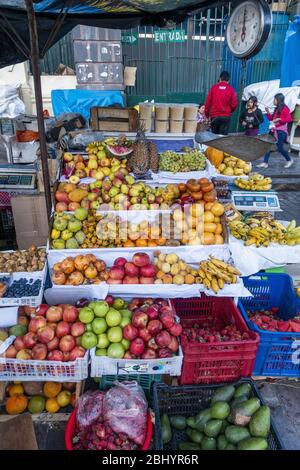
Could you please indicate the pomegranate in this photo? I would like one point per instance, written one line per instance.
(117, 272)
(11, 352)
(144, 334)
(147, 280)
(70, 313)
(176, 329)
(148, 271)
(141, 259)
(137, 347)
(41, 310)
(140, 319)
(163, 339)
(130, 332)
(131, 280)
(77, 329)
(120, 262)
(174, 345)
(167, 320)
(131, 270)
(152, 312)
(76, 352)
(55, 355)
(36, 323)
(154, 327)
(63, 329)
(54, 314)
(67, 343)
(53, 344)
(39, 352)
(148, 354)
(59, 278)
(45, 334)
(24, 355)
(30, 340)
(19, 343)
(165, 352)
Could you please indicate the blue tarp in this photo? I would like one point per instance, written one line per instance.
(81, 101)
(290, 64)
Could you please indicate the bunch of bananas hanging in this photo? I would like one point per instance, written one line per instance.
(261, 229)
(216, 273)
(256, 182)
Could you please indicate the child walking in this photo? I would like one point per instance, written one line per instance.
(251, 117)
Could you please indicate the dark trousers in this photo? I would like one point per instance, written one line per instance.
(281, 138)
(220, 125)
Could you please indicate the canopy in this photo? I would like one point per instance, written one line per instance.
(63, 15)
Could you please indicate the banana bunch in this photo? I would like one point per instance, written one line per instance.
(256, 182)
(215, 273)
(94, 147)
(292, 234)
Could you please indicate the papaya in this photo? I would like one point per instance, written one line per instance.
(165, 429)
(223, 394)
(260, 422)
(243, 411)
(235, 434)
(201, 419)
(208, 443)
(253, 443)
(194, 435)
(214, 156)
(242, 390)
(213, 427)
(220, 410)
(188, 446)
(77, 195)
(221, 442)
(178, 422)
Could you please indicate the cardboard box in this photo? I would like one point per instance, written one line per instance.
(30, 218)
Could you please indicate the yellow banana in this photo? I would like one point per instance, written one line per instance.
(221, 283)
(206, 283)
(215, 285)
(250, 241)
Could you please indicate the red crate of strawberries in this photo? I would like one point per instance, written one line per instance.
(217, 344)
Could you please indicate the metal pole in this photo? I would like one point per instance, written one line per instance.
(35, 65)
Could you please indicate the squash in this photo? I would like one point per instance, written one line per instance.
(16, 405)
(214, 156)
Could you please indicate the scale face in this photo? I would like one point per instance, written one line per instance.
(250, 201)
(17, 181)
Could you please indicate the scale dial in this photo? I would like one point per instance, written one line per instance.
(248, 28)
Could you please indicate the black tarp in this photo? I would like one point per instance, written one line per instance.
(115, 14)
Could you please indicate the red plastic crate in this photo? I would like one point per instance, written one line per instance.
(215, 362)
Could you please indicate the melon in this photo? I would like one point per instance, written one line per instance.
(119, 151)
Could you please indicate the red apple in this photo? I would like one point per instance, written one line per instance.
(53, 344)
(67, 343)
(76, 352)
(141, 259)
(130, 332)
(30, 340)
(63, 329)
(70, 313)
(52, 325)
(117, 272)
(147, 280)
(167, 309)
(77, 329)
(29, 311)
(137, 347)
(148, 354)
(66, 356)
(154, 327)
(148, 271)
(41, 310)
(109, 299)
(39, 352)
(114, 281)
(174, 345)
(23, 320)
(133, 304)
(131, 270)
(36, 323)
(54, 314)
(45, 334)
(19, 343)
(131, 280)
(120, 262)
(165, 352)
(152, 344)
(62, 196)
(61, 207)
(176, 329)
(55, 355)
(139, 319)
(11, 352)
(24, 355)
(152, 312)
(128, 355)
(163, 339)
(144, 334)
(167, 320)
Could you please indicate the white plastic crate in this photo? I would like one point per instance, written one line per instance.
(15, 369)
(31, 301)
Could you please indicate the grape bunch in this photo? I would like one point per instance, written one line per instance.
(192, 160)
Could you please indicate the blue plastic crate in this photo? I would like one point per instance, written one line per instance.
(276, 350)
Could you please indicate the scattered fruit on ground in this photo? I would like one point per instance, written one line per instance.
(256, 182)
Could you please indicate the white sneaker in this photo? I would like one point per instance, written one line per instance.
(289, 164)
(262, 165)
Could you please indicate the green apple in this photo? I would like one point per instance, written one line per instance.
(126, 313)
(125, 343)
(89, 340)
(101, 352)
(113, 317)
(118, 303)
(101, 308)
(125, 321)
(99, 326)
(86, 315)
(115, 334)
(116, 351)
(81, 213)
(88, 327)
(103, 341)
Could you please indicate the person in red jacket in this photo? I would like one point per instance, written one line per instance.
(280, 119)
(220, 103)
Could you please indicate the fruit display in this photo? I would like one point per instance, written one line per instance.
(232, 166)
(211, 332)
(39, 397)
(269, 321)
(197, 190)
(261, 229)
(29, 260)
(78, 270)
(51, 333)
(139, 329)
(119, 147)
(67, 229)
(140, 270)
(215, 156)
(23, 288)
(233, 420)
(255, 182)
(216, 273)
(191, 160)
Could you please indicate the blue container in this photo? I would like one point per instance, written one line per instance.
(277, 352)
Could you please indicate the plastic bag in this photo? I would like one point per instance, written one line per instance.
(10, 104)
(125, 409)
(90, 408)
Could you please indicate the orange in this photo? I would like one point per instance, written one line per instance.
(152, 243)
(141, 242)
(128, 244)
(161, 241)
(16, 404)
(15, 390)
(52, 389)
(52, 406)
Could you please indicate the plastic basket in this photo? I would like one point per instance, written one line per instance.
(71, 424)
(187, 401)
(14, 369)
(276, 349)
(144, 380)
(215, 362)
(34, 301)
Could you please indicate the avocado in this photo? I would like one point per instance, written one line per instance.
(244, 389)
(165, 429)
(235, 434)
(223, 394)
(178, 422)
(260, 422)
(253, 443)
(238, 400)
(221, 442)
(220, 410)
(17, 330)
(225, 424)
(230, 447)
(188, 446)
(191, 422)
(194, 435)
(242, 412)
(202, 418)
(213, 427)
(208, 443)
